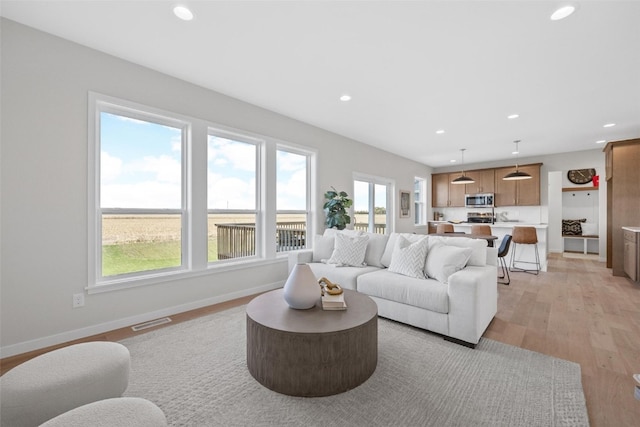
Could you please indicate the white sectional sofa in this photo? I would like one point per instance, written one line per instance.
(447, 285)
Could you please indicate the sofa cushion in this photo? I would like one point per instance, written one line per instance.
(349, 250)
(391, 245)
(343, 276)
(478, 247)
(444, 260)
(408, 258)
(375, 249)
(423, 293)
(322, 248)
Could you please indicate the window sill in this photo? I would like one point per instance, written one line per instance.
(128, 283)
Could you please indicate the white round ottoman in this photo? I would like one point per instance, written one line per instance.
(56, 382)
(117, 412)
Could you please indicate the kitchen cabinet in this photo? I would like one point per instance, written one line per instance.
(632, 252)
(443, 193)
(623, 197)
(524, 192)
(484, 181)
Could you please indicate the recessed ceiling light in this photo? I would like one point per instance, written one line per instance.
(440, 131)
(452, 160)
(609, 125)
(562, 12)
(515, 152)
(345, 98)
(513, 116)
(602, 141)
(183, 13)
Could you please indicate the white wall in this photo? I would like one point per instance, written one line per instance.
(45, 81)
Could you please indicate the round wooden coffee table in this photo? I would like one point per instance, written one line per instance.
(311, 352)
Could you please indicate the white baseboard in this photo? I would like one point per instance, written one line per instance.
(26, 346)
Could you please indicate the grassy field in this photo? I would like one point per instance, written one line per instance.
(134, 243)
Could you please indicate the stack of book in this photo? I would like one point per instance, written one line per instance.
(333, 302)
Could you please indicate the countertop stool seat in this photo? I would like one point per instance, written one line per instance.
(481, 230)
(444, 228)
(61, 380)
(525, 236)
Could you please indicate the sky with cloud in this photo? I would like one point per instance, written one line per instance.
(141, 168)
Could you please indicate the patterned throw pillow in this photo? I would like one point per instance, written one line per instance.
(408, 258)
(572, 227)
(349, 250)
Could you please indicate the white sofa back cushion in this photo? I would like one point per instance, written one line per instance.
(322, 248)
(478, 247)
(375, 246)
(444, 260)
(391, 245)
(408, 258)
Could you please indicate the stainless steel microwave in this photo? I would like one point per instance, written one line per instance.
(479, 200)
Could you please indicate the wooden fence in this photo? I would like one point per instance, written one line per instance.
(237, 240)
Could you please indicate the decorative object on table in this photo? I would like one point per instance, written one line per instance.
(336, 209)
(637, 392)
(581, 176)
(332, 295)
(405, 204)
(301, 290)
(329, 287)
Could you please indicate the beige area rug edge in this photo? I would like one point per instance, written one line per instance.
(196, 373)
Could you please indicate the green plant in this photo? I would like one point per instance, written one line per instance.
(336, 209)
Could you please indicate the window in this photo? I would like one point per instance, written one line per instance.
(419, 201)
(174, 196)
(141, 203)
(231, 198)
(292, 200)
(370, 199)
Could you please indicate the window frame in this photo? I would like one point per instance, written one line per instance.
(422, 201)
(391, 202)
(194, 206)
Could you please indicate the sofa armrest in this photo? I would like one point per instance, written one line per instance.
(302, 256)
(492, 256)
(473, 301)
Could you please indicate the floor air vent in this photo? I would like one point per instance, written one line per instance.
(151, 324)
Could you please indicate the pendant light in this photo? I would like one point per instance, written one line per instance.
(516, 175)
(463, 179)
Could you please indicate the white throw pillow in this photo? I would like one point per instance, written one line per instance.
(444, 260)
(408, 258)
(589, 228)
(478, 247)
(391, 245)
(322, 247)
(349, 250)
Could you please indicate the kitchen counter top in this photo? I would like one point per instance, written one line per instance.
(632, 229)
(497, 224)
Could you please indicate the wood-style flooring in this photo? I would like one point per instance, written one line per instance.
(576, 311)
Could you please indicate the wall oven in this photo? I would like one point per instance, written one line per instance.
(479, 200)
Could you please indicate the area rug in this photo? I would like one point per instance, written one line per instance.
(196, 373)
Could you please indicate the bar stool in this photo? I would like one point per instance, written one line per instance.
(502, 253)
(481, 230)
(444, 228)
(525, 236)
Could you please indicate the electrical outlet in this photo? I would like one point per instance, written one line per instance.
(78, 300)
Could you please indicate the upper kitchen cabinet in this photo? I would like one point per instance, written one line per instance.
(443, 193)
(524, 192)
(484, 181)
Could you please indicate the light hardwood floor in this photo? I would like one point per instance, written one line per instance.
(576, 311)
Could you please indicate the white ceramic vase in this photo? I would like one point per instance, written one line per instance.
(301, 291)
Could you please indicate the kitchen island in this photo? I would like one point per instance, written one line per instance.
(500, 229)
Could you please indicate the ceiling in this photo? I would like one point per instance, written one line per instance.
(411, 67)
